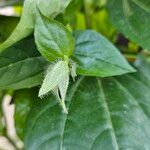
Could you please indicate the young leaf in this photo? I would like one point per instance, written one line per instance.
(53, 40)
(132, 18)
(103, 114)
(54, 77)
(96, 56)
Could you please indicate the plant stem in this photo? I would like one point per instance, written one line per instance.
(130, 57)
(88, 14)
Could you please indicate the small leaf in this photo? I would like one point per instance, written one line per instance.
(132, 18)
(53, 40)
(96, 56)
(54, 77)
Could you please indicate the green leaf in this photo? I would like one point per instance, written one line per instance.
(106, 114)
(143, 65)
(145, 4)
(25, 26)
(53, 39)
(21, 66)
(132, 18)
(23, 101)
(51, 8)
(7, 25)
(96, 56)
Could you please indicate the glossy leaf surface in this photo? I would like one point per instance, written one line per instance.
(96, 56)
(99, 118)
(21, 66)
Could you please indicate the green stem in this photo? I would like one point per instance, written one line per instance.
(88, 14)
(64, 106)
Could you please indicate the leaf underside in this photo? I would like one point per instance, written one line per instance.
(55, 74)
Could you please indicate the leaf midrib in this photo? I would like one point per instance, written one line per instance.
(72, 92)
(100, 59)
(109, 120)
(11, 64)
(63, 124)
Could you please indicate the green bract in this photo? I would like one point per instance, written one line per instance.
(55, 74)
(56, 80)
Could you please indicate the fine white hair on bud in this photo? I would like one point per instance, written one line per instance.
(56, 80)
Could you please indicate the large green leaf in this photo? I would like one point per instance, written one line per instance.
(132, 18)
(104, 114)
(96, 56)
(21, 66)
